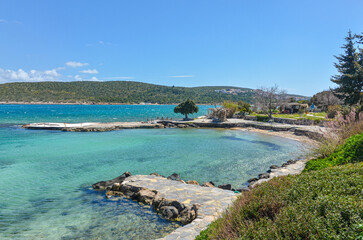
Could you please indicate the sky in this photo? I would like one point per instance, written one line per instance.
(242, 43)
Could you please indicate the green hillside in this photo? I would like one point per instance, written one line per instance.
(114, 92)
(117, 92)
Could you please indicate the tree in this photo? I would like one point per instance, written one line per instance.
(349, 79)
(325, 99)
(187, 107)
(269, 98)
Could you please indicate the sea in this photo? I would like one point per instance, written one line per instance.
(46, 176)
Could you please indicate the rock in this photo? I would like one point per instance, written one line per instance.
(129, 191)
(187, 215)
(110, 194)
(207, 184)
(156, 201)
(145, 196)
(102, 185)
(192, 182)
(182, 126)
(263, 175)
(115, 186)
(212, 183)
(225, 186)
(274, 167)
(178, 205)
(174, 177)
(252, 180)
(285, 164)
(291, 162)
(169, 212)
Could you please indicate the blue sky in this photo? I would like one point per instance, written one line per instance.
(183, 43)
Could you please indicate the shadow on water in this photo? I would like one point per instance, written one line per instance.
(273, 146)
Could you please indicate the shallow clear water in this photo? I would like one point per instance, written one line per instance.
(45, 176)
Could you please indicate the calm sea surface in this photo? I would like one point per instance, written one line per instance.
(45, 176)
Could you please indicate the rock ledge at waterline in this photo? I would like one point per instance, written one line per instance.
(194, 205)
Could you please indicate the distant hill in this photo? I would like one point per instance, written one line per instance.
(118, 92)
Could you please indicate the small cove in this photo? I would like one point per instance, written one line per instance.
(46, 176)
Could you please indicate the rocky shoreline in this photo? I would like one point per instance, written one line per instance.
(192, 204)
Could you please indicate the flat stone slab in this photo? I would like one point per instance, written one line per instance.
(212, 201)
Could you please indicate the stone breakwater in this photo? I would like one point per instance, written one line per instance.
(313, 132)
(194, 205)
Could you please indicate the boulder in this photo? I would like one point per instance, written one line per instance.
(225, 186)
(102, 185)
(169, 212)
(274, 167)
(263, 175)
(145, 196)
(192, 182)
(285, 164)
(174, 177)
(252, 180)
(178, 205)
(187, 215)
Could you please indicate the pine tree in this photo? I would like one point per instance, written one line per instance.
(348, 80)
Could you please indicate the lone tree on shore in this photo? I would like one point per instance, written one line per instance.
(187, 107)
(269, 98)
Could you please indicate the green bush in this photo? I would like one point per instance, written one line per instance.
(322, 204)
(262, 118)
(350, 152)
(333, 111)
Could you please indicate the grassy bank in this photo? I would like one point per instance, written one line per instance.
(324, 202)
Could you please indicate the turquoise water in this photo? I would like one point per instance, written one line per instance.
(22, 114)
(45, 176)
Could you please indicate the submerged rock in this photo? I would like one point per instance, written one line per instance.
(102, 185)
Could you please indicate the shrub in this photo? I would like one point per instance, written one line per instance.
(333, 111)
(323, 204)
(231, 107)
(262, 118)
(350, 152)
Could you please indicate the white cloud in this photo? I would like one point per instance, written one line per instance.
(76, 64)
(78, 78)
(182, 76)
(89, 71)
(95, 79)
(7, 75)
(3, 21)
